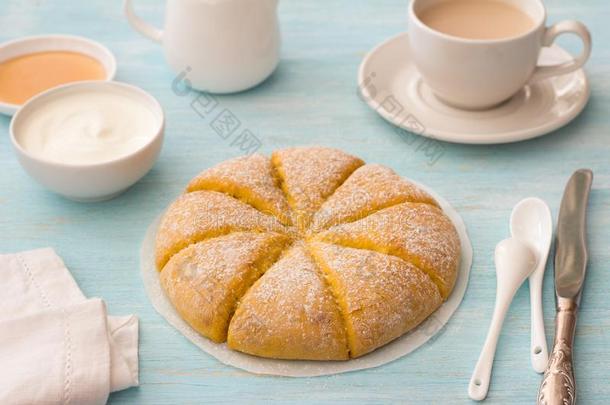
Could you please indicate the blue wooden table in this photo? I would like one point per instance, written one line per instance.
(311, 99)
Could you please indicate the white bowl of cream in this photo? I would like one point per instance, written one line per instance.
(89, 141)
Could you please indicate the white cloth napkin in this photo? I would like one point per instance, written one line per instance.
(56, 346)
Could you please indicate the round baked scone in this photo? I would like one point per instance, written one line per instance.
(310, 254)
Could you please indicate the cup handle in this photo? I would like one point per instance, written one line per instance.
(140, 25)
(570, 26)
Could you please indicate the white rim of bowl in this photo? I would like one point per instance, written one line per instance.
(108, 60)
(39, 98)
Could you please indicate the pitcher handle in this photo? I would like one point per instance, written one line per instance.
(140, 25)
(574, 27)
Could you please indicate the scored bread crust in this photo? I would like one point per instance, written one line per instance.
(310, 254)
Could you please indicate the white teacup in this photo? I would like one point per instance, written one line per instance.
(477, 74)
(225, 45)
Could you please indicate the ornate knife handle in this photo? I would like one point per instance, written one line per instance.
(558, 386)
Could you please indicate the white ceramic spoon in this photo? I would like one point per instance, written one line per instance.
(515, 261)
(531, 222)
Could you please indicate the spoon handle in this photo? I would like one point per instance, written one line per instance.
(481, 376)
(538, 351)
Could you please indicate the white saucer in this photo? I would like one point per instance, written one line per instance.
(390, 85)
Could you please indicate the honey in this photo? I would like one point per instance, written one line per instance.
(23, 77)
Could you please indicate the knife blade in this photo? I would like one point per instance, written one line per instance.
(571, 242)
(558, 385)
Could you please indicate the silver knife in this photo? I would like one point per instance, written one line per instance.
(558, 384)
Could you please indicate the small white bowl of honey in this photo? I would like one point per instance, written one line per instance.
(32, 65)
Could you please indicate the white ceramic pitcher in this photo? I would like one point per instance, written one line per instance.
(225, 45)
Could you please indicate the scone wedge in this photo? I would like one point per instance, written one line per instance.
(290, 313)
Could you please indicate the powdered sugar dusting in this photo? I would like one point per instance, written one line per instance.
(248, 178)
(370, 188)
(205, 214)
(417, 233)
(310, 175)
(382, 296)
(205, 280)
(289, 313)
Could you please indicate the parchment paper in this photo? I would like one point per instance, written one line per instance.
(299, 368)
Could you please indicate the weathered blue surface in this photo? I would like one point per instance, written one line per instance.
(311, 99)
